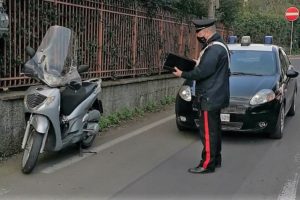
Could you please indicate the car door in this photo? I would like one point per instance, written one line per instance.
(288, 86)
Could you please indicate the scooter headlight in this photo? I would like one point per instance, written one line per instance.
(35, 100)
(185, 93)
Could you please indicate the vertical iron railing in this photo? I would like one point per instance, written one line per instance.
(117, 40)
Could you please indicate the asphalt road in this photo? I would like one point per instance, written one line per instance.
(148, 158)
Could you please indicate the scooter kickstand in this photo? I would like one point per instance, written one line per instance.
(81, 151)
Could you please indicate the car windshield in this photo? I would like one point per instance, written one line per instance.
(252, 62)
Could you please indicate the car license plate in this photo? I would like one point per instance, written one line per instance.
(225, 117)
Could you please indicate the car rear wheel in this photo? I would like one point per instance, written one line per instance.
(292, 110)
(277, 133)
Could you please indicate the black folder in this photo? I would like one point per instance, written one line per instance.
(182, 63)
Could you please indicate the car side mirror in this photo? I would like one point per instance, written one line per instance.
(291, 73)
(30, 51)
(82, 68)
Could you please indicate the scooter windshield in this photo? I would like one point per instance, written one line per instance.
(56, 58)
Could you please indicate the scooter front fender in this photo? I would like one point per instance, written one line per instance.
(40, 123)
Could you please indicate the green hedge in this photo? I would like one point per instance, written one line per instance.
(257, 25)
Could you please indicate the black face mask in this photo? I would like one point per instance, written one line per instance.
(203, 41)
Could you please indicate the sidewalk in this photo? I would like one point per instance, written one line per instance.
(294, 56)
(12, 165)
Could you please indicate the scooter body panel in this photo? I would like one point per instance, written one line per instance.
(49, 107)
(77, 118)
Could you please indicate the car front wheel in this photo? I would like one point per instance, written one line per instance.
(292, 110)
(277, 133)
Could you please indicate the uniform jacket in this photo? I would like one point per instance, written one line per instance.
(212, 76)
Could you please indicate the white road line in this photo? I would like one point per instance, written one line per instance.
(75, 159)
(3, 191)
(289, 189)
(296, 57)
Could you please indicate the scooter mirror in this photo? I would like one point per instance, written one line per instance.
(82, 68)
(30, 51)
(74, 85)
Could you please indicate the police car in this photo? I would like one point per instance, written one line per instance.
(263, 90)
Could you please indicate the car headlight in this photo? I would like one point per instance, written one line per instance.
(185, 93)
(263, 96)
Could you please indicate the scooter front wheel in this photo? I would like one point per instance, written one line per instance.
(31, 151)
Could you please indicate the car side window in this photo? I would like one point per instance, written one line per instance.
(286, 59)
(283, 64)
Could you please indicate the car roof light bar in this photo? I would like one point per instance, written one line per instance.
(268, 39)
(245, 41)
(232, 39)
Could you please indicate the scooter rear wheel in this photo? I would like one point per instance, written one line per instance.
(88, 141)
(31, 151)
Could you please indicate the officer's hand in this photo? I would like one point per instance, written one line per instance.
(177, 72)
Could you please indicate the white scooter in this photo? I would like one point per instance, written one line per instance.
(63, 110)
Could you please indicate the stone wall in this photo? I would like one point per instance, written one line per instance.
(12, 125)
(115, 95)
(137, 92)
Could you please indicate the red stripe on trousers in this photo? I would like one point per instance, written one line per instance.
(206, 140)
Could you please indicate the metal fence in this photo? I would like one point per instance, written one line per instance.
(116, 39)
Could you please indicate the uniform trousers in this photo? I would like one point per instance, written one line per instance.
(210, 133)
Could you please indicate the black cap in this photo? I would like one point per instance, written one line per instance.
(203, 23)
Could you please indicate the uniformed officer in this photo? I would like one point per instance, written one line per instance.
(212, 92)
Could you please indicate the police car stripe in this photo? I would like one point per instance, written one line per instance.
(206, 140)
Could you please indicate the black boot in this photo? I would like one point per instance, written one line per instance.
(218, 164)
(200, 170)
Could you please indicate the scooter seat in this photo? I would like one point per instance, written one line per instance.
(71, 98)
